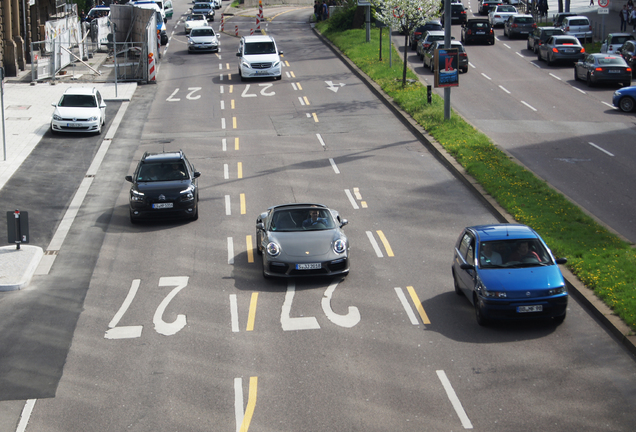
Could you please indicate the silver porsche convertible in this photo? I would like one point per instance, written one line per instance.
(298, 240)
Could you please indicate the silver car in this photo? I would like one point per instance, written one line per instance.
(519, 26)
(302, 240)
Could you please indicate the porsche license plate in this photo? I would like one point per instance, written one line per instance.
(162, 205)
(311, 266)
(535, 308)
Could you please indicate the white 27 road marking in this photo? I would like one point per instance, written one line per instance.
(162, 327)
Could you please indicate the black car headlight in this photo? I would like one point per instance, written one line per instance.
(339, 246)
(187, 194)
(273, 249)
(136, 195)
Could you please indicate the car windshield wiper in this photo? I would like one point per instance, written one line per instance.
(533, 264)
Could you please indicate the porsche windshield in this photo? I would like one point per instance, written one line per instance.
(305, 219)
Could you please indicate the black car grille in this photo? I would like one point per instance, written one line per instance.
(261, 65)
(70, 119)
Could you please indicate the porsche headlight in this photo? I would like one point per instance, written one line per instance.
(273, 249)
(339, 246)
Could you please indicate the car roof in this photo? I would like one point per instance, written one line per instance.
(503, 232)
(80, 91)
(162, 157)
(258, 38)
(576, 17)
(297, 205)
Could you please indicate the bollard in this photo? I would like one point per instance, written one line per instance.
(18, 234)
(429, 95)
(251, 32)
(236, 29)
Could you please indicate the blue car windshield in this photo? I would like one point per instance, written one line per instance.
(513, 253)
(307, 219)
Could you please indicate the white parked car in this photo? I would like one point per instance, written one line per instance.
(259, 57)
(499, 14)
(80, 109)
(195, 21)
(614, 41)
(578, 26)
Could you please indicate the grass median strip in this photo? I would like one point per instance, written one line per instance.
(600, 259)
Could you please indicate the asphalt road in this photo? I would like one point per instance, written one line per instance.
(565, 132)
(170, 326)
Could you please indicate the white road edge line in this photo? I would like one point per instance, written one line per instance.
(26, 415)
(609, 105)
(529, 106)
(600, 148)
(554, 76)
(504, 89)
(486, 76)
(454, 400)
(407, 307)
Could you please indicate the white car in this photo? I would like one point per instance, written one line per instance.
(499, 14)
(80, 109)
(259, 57)
(195, 21)
(614, 41)
(203, 39)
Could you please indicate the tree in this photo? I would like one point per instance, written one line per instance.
(406, 15)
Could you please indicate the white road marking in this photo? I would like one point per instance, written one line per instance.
(234, 313)
(375, 245)
(486, 76)
(347, 321)
(529, 106)
(26, 415)
(554, 76)
(288, 323)
(407, 307)
(230, 250)
(228, 207)
(322, 143)
(333, 165)
(600, 148)
(238, 403)
(504, 89)
(454, 400)
(353, 202)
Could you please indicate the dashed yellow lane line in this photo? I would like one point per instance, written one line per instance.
(315, 117)
(418, 305)
(250, 249)
(385, 242)
(242, 203)
(251, 404)
(252, 314)
(236, 143)
(239, 169)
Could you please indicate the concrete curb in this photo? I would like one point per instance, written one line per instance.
(585, 295)
(26, 258)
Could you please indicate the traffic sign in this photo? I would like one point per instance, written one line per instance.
(603, 11)
(603, 4)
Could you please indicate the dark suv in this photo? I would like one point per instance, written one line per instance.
(477, 30)
(540, 35)
(458, 14)
(628, 52)
(420, 31)
(486, 5)
(164, 185)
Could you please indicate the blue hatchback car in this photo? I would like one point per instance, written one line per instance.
(625, 98)
(508, 272)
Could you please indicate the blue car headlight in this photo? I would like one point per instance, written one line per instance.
(339, 246)
(488, 293)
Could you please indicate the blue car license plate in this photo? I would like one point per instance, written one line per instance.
(533, 308)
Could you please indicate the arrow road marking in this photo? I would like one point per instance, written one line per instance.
(333, 87)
